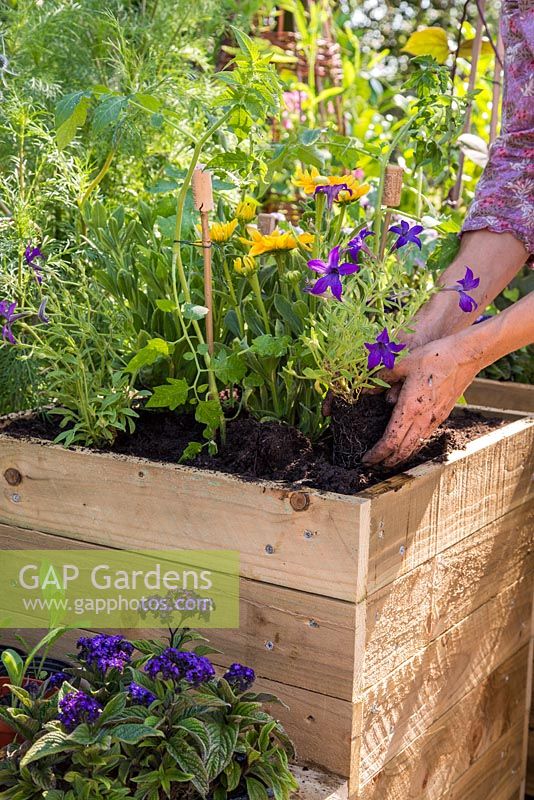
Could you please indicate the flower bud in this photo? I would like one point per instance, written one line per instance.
(246, 210)
(245, 266)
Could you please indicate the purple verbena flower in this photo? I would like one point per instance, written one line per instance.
(468, 282)
(105, 652)
(331, 191)
(240, 677)
(406, 234)
(383, 351)
(358, 243)
(331, 272)
(57, 679)
(32, 256)
(176, 665)
(140, 695)
(77, 707)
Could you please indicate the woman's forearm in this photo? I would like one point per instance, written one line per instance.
(495, 258)
(500, 335)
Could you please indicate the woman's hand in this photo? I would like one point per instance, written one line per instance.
(433, 378)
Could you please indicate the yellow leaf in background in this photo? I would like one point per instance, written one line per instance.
(466, 49)
(429, 42)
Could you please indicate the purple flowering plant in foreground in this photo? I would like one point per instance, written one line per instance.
(34, 257)
(463, 287)
(139, 714)
(383, 351)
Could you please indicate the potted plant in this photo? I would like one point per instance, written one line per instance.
(151, 720)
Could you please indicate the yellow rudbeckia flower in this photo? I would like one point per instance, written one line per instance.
(274, 242)
(246, 210)
(308, 180)
(221, 231)
(245, 266)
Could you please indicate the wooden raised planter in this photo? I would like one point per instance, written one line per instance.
(395, 623)
(501, 394)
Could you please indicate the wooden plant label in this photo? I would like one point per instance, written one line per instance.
(393, 185)
(202, 190)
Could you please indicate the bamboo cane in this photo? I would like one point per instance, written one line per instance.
(390, 198)
(203, 199)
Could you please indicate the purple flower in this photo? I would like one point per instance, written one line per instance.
(482, 318)
(358, 243)
(78, 707)
(239, 677)
(7, 310)
(140, 695)
(173, 664)
(57, 679)
(406, 234)
(383, 351)
(42, 309)
(32, 255)
(105, 652)
(331, 271)
(331, 191)
(468, 282)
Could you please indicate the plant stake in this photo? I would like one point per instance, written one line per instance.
(391, 198)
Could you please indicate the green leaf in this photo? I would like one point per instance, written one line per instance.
(148, 101)
(113, 708)
(170, 396)
(108, 111)
(191, 451)
(14, 666)
(209, 413)
(270, 346)
(71, 113)
(131, 733)
(153, 350)
(191, 311)
(223, 739)
(165, 305)
(189, 761)
(47, 745)
(256, 790)
(229, 368)
(286, 311)
(233, 775)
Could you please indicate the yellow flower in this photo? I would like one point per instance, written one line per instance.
(275, 241)
(246, 210)
(355, 193)
(308, 180)
(245, 266)
(221, 231)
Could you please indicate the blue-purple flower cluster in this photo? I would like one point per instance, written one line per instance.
(105, 652)
(240, 677)
(173, 664)
(78, 707)
(57, 679)
(140, 695)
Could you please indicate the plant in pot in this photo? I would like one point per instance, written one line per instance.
(149, 720)
(34, 674)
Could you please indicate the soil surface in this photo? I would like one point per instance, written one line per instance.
(267, 450)
(357, 427)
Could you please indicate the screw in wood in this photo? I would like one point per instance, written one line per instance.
(16, 497)
(13, 476)
(313, 623)
(269, 549)
(308, 534)
(299, 501)
(269, 645)
(402, 549)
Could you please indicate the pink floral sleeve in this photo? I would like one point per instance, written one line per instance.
(504, 199)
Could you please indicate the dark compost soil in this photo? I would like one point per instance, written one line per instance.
(357, 427)
(268, 450)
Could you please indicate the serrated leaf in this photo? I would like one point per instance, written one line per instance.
(189, 761)
(191, 451)
(171, 396)
(267, 345)
(223, 739)
(209, 413)
(429, 42)
(229, 368)
(149, 354)
(108, 112)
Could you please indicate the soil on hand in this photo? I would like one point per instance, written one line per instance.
(266, 450)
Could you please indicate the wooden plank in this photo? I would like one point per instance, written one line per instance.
(132, 503)
(501, 394)
(282, 632)
(443, 753)
(421, 513)
(495, 776)
(530, 763)
(409, 700)
(407, 614)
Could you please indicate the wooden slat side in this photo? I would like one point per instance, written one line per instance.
(288, 636)
(495, 776)
(443, 753)
(530, 763)
(408, 701)
(407, 614)
(501, 394)
(131, 503)
(433, 507)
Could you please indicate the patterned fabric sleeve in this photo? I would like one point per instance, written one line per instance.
(504, 199)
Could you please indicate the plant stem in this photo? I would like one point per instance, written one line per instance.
(98, 180)
(256, 288)
(233, 296)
